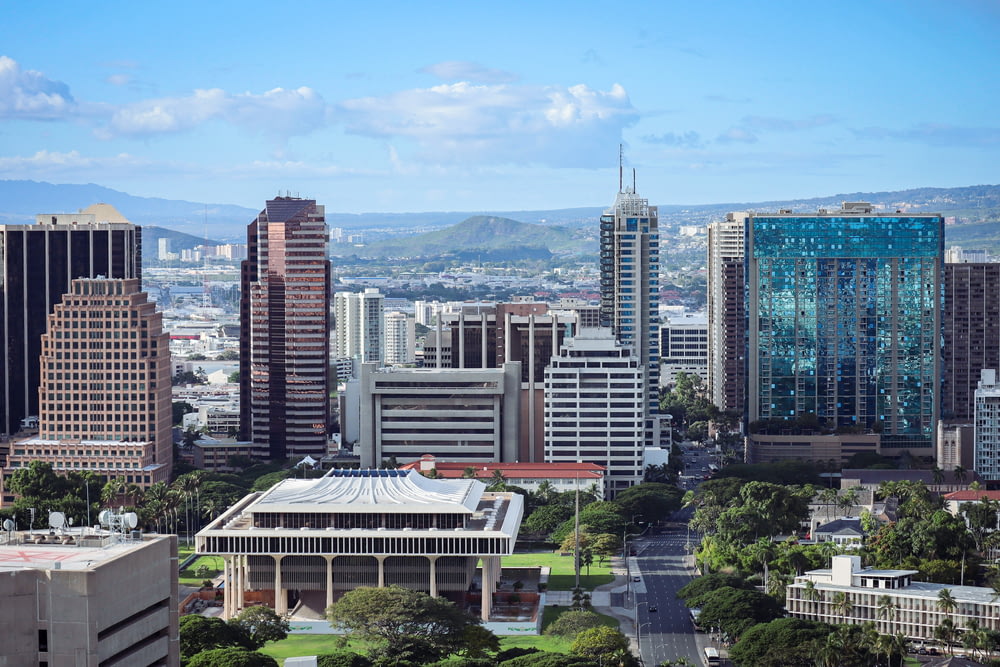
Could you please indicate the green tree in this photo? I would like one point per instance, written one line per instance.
(478, 643)
(261, 624)
(181, 408)
(946, 632)
(394, 615)
(842, 605)
(571, 623)
(203, 633)
(783, 641)
(711, 582)
(231, 657)
(734, 610)
(649, 501)
(606, 545)
(342, 659)
(600, 643)
(546, 519)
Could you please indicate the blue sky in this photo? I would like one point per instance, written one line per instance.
(475, 106)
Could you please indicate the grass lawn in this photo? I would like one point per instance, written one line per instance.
(562, 576)
(189, 578)
(297, 645)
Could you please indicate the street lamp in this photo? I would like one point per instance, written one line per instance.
(638, 635)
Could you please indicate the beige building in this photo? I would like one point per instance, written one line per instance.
(889, 598)
(105, 387)
(303, 543)
(87, 600)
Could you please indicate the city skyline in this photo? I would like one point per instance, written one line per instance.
(479, 108)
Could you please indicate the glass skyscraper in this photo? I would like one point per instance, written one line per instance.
(844, 322)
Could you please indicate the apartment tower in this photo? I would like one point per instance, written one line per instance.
(37, 264)
(630, 286)
(285, 331)
(971, 332)
(360, 326)
(727, 314)
(105, 393)
(844, 322)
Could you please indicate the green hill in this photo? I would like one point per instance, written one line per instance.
(481, 234)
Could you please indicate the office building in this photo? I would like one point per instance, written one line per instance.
(916, 611)
(727, 328)
(630, 279)
(310, 541)
(37, 264)
(971, 322)
(77, 596)
(467, 414)
(844, 320)
(684, 348)
(987, 427)
(360, 329)
(285, 331)
(595, 390)
(106, 387)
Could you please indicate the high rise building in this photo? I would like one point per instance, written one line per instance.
(400, 339)
(971, 332)
(37, 264)
(844, 317)
(987, 427)
(360, 326)
(630, 287)
(684, 347)
(285, 331)
(106, 386)
(727, 314)
(595, 390)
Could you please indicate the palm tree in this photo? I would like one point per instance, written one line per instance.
(960, 473)
(498, 482)
(887, 608)
(938, 474)
(468, 472)
(946, 602)
(113, 488)
(811, 593)
(847, 501)
(945, 632)
(545, 491)
(762, 551)
(842, 605)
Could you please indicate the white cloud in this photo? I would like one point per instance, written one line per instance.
(460, 70)
(119, 79)
(737, 134)
(557, 126)
(45, 163)
(29, 95)
(279, 111)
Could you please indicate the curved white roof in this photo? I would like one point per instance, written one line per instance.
(372, 491)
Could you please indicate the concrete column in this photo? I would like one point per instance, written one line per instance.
(381, 571)
(329, 580)
(487, 602)
(434, 583)
(461, 343)
(483, 342)
(227, 588)
(280, 599)
(241, 584)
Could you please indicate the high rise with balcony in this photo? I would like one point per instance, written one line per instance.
(630, 286)
(105, 393)
(360, 325)
(727, 314)
(400, 339)
(37, 264)
(285, 331)
(845, 320)
(987, 426)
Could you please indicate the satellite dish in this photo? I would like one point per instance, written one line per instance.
(131, 520)
(8, 525)
(104, 517)
(57, 520)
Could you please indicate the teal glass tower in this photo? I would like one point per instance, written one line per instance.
(844, 322)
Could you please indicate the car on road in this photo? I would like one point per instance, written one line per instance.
(636, 578)
(652, 608)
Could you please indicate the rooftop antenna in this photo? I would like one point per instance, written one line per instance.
(633, 180)
(621, 159)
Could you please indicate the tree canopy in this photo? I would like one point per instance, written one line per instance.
(783, 641)
(231, 657)
(399, 617)
(261, 624)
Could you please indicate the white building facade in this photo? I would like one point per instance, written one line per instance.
(360, 329)
(595, 390)
(400, 339)
(987, 426)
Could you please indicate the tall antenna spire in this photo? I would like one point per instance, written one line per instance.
(633, 180)
(621, 159)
